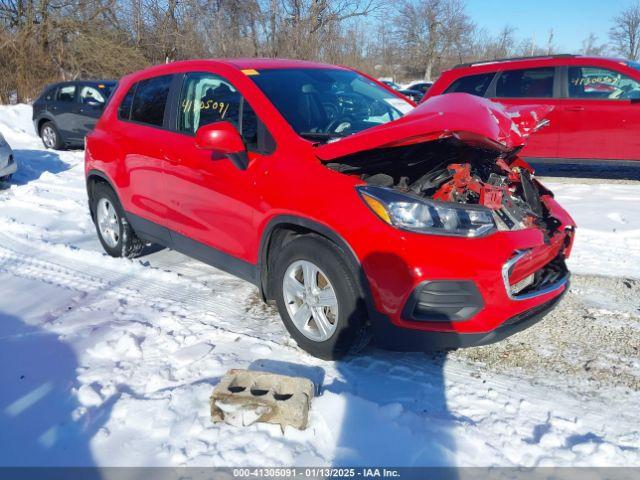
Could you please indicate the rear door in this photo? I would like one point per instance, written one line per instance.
(63, 110)
(600, 115)
(141, 131)
(532, 86)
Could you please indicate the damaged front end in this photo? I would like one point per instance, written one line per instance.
(451, 167)
(450, 187)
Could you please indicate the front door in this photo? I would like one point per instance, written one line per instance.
(91, 101)
(600, 117)
(211, 201)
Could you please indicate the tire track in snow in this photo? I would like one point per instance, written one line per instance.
(182, 296)
(415, 368)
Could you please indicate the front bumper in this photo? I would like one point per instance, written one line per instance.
(391, 337)
(478, 286)
(8, 163)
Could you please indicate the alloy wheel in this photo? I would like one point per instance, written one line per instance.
(108, 223)
(311, 300)
(49, 136)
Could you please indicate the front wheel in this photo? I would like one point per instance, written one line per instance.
(114, 232)
(318, 298)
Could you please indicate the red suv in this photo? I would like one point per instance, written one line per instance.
(355, 212)
(596, 103)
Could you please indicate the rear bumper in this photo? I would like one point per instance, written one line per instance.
(391, 337)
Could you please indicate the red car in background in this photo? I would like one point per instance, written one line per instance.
(351, 210)
(596, 103)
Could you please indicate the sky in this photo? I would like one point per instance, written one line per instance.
(571, 20)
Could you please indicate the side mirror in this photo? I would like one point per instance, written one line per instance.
(223, 137)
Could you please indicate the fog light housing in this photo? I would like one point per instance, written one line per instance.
(443, 301)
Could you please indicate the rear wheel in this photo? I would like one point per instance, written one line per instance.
(50, 136)
(318, 298)
(114, 232)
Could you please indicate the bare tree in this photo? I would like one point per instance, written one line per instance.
(591, 46)
(625, 33)
(42, 41)
(430, 30)
(550, 46)
(504, 44)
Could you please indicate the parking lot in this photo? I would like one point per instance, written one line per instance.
(143, 341)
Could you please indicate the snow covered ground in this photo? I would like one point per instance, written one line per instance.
(111, 362)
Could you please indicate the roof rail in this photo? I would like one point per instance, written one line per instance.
(531, 57)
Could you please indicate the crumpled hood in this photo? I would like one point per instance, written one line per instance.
(473, 120)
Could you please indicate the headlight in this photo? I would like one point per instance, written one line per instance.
(427, 216)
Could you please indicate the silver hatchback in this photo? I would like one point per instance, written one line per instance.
(8, 164)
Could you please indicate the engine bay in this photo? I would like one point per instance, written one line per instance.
(449, 170)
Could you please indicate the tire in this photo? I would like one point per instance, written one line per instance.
(50, 136)
(347, 322)
(114, 232)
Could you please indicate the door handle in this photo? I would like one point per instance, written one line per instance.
(78, 110)
(576, 108)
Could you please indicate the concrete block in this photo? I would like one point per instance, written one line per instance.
(244, 396)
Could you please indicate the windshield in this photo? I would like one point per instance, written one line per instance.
(325, 104)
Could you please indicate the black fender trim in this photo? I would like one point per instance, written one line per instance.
(102, 175)
(50, 118)
(288, 221)
(42, 119)
(107, 180)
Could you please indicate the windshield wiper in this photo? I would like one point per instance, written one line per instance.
(322, 135)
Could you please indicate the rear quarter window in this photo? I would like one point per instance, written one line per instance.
(48, 95)
(473, 84)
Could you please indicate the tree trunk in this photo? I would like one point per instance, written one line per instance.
(428, 70)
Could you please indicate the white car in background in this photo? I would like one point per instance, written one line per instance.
(8, 164)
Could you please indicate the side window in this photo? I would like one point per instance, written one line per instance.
(124, 110)
(150, 100)
(473, 84)
(207, 98)
(91, 96)
(527, 83)
(596, 82)
(67, 93)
